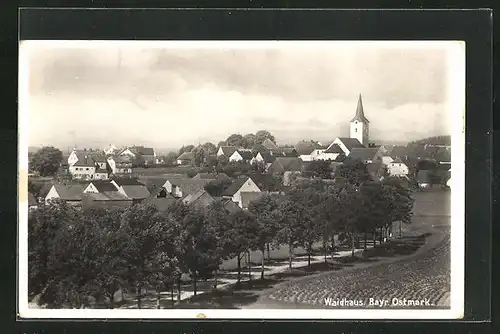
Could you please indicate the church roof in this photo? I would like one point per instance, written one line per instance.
(360, 114)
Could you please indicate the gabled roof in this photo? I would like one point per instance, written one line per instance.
(127, 181)
(289, 164)
(230, 206)
(335, 148)
(360, 114)
(268, 157)
(350, 143)
(189, 186)
(235, 186)
(228, 150)
(142, 150)
(284, 151)
(186, 156)
(340, 158)
(305, 148)
(396, 161)
(102, 185)
(250, 196)
(363, 153)
(246, 155)
(269, 144)
(204, 176)
(192, 198)
(106, 196)
(72, 192)
(136, 191)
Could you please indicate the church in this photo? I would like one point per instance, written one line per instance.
(357, 142)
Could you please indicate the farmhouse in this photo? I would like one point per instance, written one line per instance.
(120, 164)
(238, 186)
(87, 165)
(366, 154)
(284, 164)
(185, 158)
(147, 153)
(269, 145)
(72, 194)
(397, 168)
(241, 155)
(200, 199)
(131, 188)
(226, 151)
(182, 187)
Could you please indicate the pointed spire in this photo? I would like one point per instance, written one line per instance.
(360, 114)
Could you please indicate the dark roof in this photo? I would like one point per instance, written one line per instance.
(136, 191)
(70, 192)
(246, 155)
(193, 198)
(284, 151)
(335, 148)
(363, 153)
(228, 150)
(189, 186)
(289, 164)
(360, 114)
(235, 186)
(103, 185)
(106, 196)
(304, 148)
(32, 200)
(205, 176)
(143, 150)
(269, 144)
(127, 181)
(268, 157)
(186, 156)
(250, 196)
(230, 206)
(351, 143)
(340, 158)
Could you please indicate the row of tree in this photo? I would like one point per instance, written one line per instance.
(76, 253)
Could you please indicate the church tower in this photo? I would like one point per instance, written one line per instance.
(360, 124)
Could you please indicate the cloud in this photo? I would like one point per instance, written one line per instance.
(170, 97)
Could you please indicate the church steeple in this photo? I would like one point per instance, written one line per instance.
(360, 124)
(360, 114)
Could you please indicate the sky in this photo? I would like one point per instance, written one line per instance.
(92, 94)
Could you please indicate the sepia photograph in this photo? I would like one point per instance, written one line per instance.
(241, 179)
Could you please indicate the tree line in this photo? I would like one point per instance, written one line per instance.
(75, 252)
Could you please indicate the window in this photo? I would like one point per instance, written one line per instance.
(356, 130)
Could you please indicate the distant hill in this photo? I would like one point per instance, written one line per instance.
(437, 140)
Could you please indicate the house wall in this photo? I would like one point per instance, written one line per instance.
(183, 162)
(90, 189)
(235, 157)
(83, 173)
(306, 157)
(397, 169)
(326, 156)
(112, 164)
(72, 159)
(342, 146)
(248, 186)
(51, 194)
(100, 176)
(386, 160)
(220, 152)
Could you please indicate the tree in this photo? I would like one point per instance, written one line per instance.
(319, 169)
(262, 135)
(242, 234)
(235, 140)
(289, 217)
(264, 210)
(216, 187)
(142, 223)
(46, 161)
(402, 201)
(249, 140)
(209, 148)
(353, 171)
(171, 158)
(199, 156)
(187, 148)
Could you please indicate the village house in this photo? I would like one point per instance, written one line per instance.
(88, 165)
(284, 164)
(200, 199)
(182, 187)
(288, 152)
(226, 151)
(120, 164)
(346, 144)
(208, 176)
(147, 153)
(234, 191)
(105, 193)
(397, 168)
(131, 188)
(110, 150)
(366, 154)
(265, 158)
(241, 155)
(185, 158)
(72, 194)
(269, 145)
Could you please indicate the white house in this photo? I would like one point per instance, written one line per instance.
(128, 152)
(241, 155)
(238, 186)
(346, 144)
(397, 168)
(386, 160)
(226, 151)
(314, 155)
